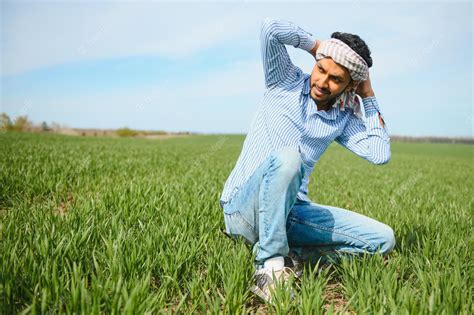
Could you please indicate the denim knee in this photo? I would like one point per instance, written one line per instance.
(238, 228)
(386, 239)
(289, 161)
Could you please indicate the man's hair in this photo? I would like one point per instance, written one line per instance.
(356, 43)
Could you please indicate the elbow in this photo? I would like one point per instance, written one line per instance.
(382, 158)
(267, 22)
(267, 25)
(382, 161)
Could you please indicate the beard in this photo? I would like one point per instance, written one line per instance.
(329, 101)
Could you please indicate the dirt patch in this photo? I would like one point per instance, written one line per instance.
(65, 205)
(333, 294)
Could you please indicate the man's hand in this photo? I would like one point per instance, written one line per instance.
(315, 48)
(364, 89)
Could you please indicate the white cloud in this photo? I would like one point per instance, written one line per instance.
(38, 35)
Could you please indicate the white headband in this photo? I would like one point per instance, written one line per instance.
(342, 54)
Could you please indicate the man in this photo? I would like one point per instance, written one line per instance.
(265, 197)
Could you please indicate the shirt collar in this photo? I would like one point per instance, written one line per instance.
(312, 108)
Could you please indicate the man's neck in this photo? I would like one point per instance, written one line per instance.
(325, 106)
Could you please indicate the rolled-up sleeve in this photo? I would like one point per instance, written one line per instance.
(369, 139)
(275, 34)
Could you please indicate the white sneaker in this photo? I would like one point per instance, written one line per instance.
(266, 281)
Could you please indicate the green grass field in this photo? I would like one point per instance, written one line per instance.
(104, 225)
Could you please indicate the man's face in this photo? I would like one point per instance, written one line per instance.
(329, 80)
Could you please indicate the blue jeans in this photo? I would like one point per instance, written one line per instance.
(267, 214)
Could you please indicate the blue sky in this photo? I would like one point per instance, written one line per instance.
(196, 66)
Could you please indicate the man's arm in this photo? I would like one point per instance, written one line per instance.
(274, 35)
(368, 140)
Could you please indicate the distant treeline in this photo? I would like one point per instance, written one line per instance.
(22, 123)
(464, 140)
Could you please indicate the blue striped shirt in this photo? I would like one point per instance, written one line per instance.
(288, 116)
